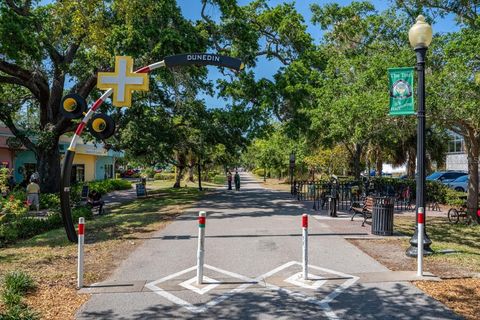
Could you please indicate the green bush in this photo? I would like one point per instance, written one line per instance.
(14, 205)
(164, 176)
(106, 186)
(259, 172)
(14, 286)
(455, 198)
(84, 211)
(219, 179)
(13, 227)
(148, 173)
(10, 299)
(436, 191)
(18, 282)
(19, 312)
(49, 201)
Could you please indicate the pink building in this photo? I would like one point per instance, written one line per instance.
(6, 155)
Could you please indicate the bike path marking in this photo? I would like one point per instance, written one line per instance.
(295, 279)
(193, 308)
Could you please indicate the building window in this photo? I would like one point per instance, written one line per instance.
(456, 143)
(78, 173)
(108, 171)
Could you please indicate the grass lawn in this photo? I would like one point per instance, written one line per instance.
(274, 184)
(189, 184)
(464, 240)
(51, 260)
(458, 291)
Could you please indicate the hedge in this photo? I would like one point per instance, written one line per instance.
(15, 227)
(259, 172)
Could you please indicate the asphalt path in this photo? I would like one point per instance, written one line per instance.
(253, 254)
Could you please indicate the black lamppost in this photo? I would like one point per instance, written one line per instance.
(420, 36)
(292, 171)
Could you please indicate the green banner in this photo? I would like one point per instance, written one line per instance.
(401, 91)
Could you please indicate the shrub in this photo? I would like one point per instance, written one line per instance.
(164, 176)
(259, 172)
(49, 201)
(106, 186)
(148, 173)
(84, 211)
(13, 205)
(14, 286)
(455, 198)
(18, 282)
(19, 312)
(219, 179)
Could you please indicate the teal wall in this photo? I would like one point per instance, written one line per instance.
(20, 159)
(100, 166)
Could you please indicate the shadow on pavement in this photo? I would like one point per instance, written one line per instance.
(394, 301)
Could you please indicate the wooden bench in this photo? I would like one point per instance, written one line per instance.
(365, 210)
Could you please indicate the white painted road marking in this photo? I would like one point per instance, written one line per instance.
(210, 284)
(314, 282)
(198, 309)
(324, 303)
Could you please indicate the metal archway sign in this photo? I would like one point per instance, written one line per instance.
(203, 59)
(121, 83)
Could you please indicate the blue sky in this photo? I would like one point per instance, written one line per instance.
(265, 68)
(191, 10)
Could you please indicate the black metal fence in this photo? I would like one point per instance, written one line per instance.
(348, 193)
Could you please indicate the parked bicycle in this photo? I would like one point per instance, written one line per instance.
(455, 214)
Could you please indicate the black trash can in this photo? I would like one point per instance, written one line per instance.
(382, 216)
(332, 205)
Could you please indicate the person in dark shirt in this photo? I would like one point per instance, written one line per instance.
(95, 199)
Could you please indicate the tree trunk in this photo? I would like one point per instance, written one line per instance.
(48, 167)
(472, 145)
(179, 177)
(356, 160)
(378, 163)
(181, 164)
(191, 170)
(411, 164)
(199, 167)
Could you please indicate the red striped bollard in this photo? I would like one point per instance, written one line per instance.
(305, 245)
(81, 242)
(202, 219)
(421, 227)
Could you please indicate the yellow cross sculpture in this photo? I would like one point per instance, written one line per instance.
(122, 81)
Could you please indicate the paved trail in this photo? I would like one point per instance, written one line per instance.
(253, 243)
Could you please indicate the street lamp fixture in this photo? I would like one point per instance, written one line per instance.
(420, 36)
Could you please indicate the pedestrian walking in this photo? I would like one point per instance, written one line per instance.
(229, 179)
(237, 181)
(33, 192)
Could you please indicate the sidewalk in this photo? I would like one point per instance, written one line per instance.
(117, 197)
(252, 253)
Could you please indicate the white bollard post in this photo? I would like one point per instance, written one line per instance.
(305, 245)
(201, 245)
(81, 242)
(421, 225)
